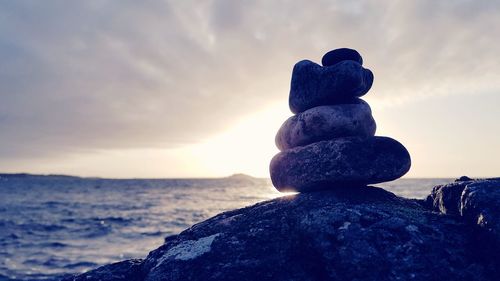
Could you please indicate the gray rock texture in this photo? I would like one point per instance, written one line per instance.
(314, 85)
(346, 162)
(480, 204)
(477, 202)
(446, 198)
(326, 122)
(463, 197)
(364, 233)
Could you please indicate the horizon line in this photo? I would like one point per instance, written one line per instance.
(191, 177)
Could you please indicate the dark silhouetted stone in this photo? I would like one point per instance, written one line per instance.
(480, 205)
(466, 198)
(339, 162)
(324, 123)
(446, 198)
(342, 54)
(361, 234)
(463, 178)
(313, 85)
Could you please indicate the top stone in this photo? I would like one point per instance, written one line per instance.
(338, 55)
(314, 85)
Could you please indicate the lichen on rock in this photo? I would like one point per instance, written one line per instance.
(189, 249)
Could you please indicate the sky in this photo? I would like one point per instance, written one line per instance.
(199, 88)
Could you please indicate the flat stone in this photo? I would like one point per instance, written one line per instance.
(314, 85)
(343, 162)
(326, 122)
(342, 54)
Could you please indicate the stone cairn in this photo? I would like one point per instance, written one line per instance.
(330, 141)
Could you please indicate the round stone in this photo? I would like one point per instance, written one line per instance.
(326, 122)
(338, 55)
(342, 162)
(314, 85)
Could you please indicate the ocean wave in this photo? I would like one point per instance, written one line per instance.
(53, 245)
(53, 226)
(81, 264)
(153, 233)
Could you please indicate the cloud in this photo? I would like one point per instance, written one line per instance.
(92, 75)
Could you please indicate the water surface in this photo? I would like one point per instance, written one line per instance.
(55, 225)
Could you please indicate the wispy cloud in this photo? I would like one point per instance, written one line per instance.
(88, 75)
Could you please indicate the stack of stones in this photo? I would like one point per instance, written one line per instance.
(330, 141)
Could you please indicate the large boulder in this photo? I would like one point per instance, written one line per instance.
(314, 85)
(364, 233)
(477, 202)
(326, 122)
(345, 162)
(480, 204)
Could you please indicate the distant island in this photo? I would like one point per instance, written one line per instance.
(28, 175)
(241, 176)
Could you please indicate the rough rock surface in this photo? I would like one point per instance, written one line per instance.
(326, 122)
(478, 202)
(342, 234)
(344, 162)
(480, 205)
(446, 198)
(314, 85)
(466, 197)
(338, 55)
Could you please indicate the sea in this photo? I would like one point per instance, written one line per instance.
(51, 226)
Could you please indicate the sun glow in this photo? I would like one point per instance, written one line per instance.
(247, 147)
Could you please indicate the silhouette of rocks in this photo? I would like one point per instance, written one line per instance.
(477, 201)
(330, 141)
(446, 198)
(463, 178)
